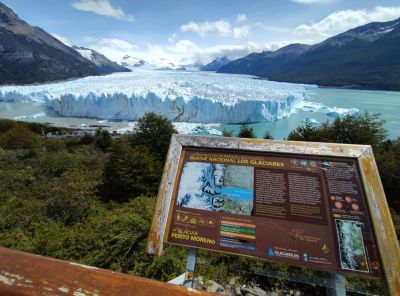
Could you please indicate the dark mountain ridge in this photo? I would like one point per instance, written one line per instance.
(363, 57)
(266, 62)
(30, 55)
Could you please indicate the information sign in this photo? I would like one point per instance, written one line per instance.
(307, 211)
(315, 205)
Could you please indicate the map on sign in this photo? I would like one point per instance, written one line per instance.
(217, 187)
(302, 210)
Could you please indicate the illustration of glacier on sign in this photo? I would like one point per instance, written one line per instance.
(180, 96)
(217, 187)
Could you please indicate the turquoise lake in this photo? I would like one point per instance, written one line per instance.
(387, 103)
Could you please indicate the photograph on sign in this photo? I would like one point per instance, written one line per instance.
(303, 210)
(351, 245)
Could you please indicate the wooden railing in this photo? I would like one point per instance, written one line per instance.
(28, 274)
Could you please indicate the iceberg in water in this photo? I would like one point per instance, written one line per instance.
(310, 121)
(309, 106)
(32, 116)
(180, 96)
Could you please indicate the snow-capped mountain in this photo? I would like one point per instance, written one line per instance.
(154, 64)
(130, 61)
(105, 65)
(216, 64)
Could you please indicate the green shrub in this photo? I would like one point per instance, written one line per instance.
(19, 137)
(246, 132)
(55, 164)
(87, 139)
(227, 133)
(54, 145)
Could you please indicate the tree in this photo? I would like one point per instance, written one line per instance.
(129, 172)
(246, 132)
(309, 133)
(154, 131)
(103, 139)
(364, 128)
(388, 161)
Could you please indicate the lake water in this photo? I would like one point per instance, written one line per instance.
(387, 103)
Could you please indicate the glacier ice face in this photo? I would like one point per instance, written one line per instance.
(180, 96)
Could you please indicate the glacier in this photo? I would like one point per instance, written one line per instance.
(181, 96)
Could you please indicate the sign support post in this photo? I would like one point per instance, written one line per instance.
(190, 267)
(336, 285)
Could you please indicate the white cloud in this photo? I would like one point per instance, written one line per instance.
(240, 18)
(182, 46)
(88, 39)
(314, 1)
(113, 48)
(207, 54)
(102, 7)
(221, 27)
(340, 21)
(187, 52)
(172, 38)
(274, 29)
(240, 32)
(62, 39)
(181, 52)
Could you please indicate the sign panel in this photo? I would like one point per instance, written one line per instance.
(302, 210)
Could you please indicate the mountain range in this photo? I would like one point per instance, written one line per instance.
(363, 57)
(215, 64)
(105, 65)
(29, 55)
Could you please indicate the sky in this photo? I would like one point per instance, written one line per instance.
(197, 31)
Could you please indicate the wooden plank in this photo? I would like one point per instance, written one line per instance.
(28, 274)
(382, 223)
(160, 217)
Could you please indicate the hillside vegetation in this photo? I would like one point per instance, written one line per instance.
(91, 199)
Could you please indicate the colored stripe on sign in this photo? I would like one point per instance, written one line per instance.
(237, 224)
(237, 246)
(238, 229)
(233, 234)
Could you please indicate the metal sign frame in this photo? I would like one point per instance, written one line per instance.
(387, 243)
